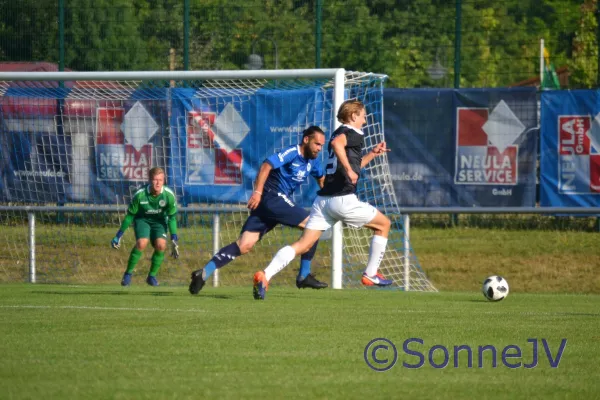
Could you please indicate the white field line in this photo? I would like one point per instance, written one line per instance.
(404, 311)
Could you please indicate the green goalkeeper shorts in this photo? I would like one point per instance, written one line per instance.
(150, 228)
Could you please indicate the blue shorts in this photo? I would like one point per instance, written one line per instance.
(274, 208)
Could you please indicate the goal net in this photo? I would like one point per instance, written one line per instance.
(76, 146)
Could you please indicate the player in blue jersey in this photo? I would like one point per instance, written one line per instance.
(337, 201)
(271, 204)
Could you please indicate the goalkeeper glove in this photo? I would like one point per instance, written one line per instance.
(116, 241)
(174, 246)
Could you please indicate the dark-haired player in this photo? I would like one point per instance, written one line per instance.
(271, 204)
(337, 201)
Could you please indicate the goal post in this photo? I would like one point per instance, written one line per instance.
(86, 140)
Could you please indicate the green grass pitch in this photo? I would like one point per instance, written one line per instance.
(108, 342)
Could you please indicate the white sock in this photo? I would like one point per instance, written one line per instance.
(280, 261)
(376, 251)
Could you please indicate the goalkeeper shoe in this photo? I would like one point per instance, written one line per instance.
(377, 280)
(197, 281)
(126, 281)
(261, 284)
(310, 282)
(151, 280)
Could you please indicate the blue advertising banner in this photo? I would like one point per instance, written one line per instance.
(469, 147)
(34, 153)
(69, 150)
(221, 140)
(449, 147)
(570, 149)
(61, 147)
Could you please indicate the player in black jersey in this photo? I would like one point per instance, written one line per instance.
(337, 201)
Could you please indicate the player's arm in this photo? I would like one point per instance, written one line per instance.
(172, 223)
(259, 185)
(339, 148)
(321, 181)
(379, 149)
(131, 211)
(318, 173)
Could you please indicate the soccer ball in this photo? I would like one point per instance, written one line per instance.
(495, 288)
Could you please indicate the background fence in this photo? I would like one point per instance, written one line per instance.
(417, 43)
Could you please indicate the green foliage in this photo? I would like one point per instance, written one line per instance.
(401, 38)
(583, 65)
(104, 36)
(27, 30)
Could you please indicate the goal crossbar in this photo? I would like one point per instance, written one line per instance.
(171, 75)
(218, 94)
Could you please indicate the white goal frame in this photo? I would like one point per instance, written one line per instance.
(336, 74)
(401, 263)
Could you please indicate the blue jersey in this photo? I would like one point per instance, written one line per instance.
(290, 169)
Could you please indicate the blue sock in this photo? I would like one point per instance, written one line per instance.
(223, 257)
(208, 270)
(305, 261)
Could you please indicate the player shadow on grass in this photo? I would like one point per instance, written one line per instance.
(216, 296)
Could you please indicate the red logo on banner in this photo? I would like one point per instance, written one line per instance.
(500, 167)
(115, 159)
(578, 162)
(478, 161)
(108, 126)
(228, 167)
(199, 130)
(573, 137)
(470, 123)
(207, 162)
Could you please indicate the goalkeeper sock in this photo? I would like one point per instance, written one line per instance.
(281, 259)
(223, 257)
(305, 261)
(157, 259)
(378, 244)
(134, 257)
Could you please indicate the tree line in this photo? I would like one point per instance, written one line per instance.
(405, 39)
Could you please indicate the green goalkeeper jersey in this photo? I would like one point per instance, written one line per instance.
(160, 209)
(145, 205)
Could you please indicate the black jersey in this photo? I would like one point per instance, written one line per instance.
(337, 182)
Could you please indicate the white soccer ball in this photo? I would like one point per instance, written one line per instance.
(495, 288)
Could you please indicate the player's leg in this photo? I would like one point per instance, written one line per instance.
(158, 236)
(305, 279)
(317, 223)
(142, 235)
(380, 225)
(359, 214)
(281, 259)
(286, 212)
(252, 231)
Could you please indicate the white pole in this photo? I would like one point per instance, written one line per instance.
(216, 230)
(31, 220)
(541, 62)
(406, 245)
(337, 240)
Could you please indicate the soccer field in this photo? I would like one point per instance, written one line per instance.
(96, 342)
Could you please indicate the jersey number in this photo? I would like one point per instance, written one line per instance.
(331, 165)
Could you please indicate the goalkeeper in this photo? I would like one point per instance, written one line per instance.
(151, 210)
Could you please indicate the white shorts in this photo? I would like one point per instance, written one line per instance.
(326, 211)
